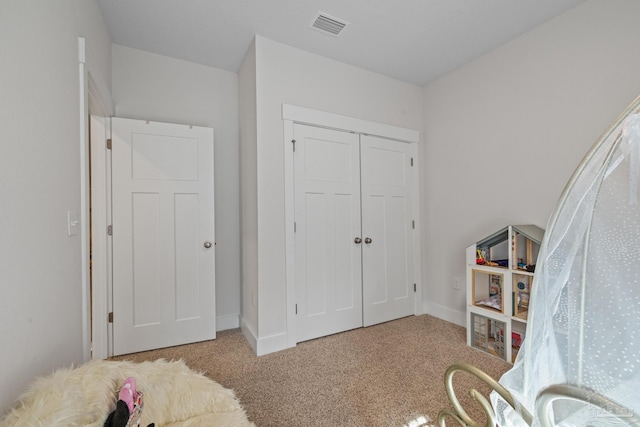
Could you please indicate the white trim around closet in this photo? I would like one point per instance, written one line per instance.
(319, 118)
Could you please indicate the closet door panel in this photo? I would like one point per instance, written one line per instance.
(327, 215)
(386, 219)
(347, 255)
(377, 291)
(316, 222)
(397, 236)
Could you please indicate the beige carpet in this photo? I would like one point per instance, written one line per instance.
(385, 375)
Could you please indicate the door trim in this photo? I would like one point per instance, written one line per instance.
(100, 242)
(95, 102)
(295, 114)
(308, 116)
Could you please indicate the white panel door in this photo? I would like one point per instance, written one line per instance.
(327, 215)
(387, 249)
(163, 235)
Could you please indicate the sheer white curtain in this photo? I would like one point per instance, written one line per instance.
(584, 317)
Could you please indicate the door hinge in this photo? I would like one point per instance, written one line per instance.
(110, 317)
(412, 162)
(413, 224)
(109, 144)
(109, 230)
(293, 142)
(294, 227)
(414, 288)
(296, 308)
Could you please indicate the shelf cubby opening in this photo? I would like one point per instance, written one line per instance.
(487, 290)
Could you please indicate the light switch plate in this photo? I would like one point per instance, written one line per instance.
(72, 223)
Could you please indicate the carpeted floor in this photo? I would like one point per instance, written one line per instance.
(385, 375)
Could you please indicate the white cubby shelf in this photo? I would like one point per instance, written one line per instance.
(500, 272)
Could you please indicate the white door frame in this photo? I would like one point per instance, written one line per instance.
(95, 101)
(100, 241)
(295, 114)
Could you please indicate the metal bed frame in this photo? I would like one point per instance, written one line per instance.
(603, 408)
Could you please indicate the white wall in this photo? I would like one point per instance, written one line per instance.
(40, 267)
(289, 75)
(504, 133)
(248, 193)
(155, 87)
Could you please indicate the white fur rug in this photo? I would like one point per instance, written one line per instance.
(174, 395)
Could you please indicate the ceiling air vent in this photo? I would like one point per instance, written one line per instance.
(328, 24)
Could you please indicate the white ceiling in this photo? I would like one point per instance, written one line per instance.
(411, 40)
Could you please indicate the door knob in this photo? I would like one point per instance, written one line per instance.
(357, 240)
(207, 245)
(367, 240)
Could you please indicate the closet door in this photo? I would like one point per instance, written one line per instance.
(387, 252)
(328, 267)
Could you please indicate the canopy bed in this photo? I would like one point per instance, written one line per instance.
(580, 362)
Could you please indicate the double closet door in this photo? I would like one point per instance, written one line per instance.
(353, 231)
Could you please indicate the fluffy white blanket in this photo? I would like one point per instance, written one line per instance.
(174, 395)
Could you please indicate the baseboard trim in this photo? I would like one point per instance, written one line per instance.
(272, 343)
(231, 321)
(249, 335)
(266, 345)
(445, 313)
